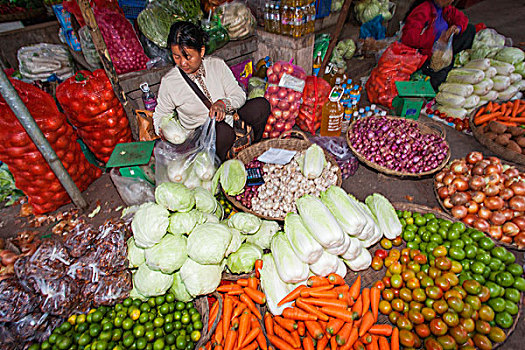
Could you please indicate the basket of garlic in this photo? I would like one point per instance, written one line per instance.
(311, 171)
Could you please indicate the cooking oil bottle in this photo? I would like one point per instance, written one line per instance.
(297, 30)
(277, 19)
(286, 19)
(333, 112)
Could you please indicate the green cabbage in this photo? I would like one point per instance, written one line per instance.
(263, 236)
(245, 222)
(200, 279)
(462, 58)
(174, 196)
(289, 267)
(184, 222)
(243, 260)
(211, 218)
(307, 249)
(151, 283)
(179, 289)
(385, 215)
(208, 242)
(347, 215)
(314, 162)
(134, 294)
(168, 255)
(149, 224)
(232, 176)
(273, 286)
(204, 200)
(135, 254)
(219, 211)
(510, 55)
(236, 241)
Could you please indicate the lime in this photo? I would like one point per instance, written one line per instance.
(164, 309)
(158, 344)
(180, 342)
(116, 334)
(179, 305)
(127, 324)
(94, 329)
(84, 339)
(141, 343)
(170, 339)
(64, 343)
(158, 322)
(139, 330)
(159, 300)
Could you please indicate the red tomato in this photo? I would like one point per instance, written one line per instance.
(381, 253)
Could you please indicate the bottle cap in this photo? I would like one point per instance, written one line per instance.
(337, 81)
(367, 108)
(144, 87)
(361, 110)
(373, 106)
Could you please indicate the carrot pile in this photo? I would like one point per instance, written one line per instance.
(329, 314)
(510, 113)
(238, 326)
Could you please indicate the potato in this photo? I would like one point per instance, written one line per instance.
(521, 141)
(498, 128)
(491, 135)
(503, 139)
(513, 146)
(516, 131)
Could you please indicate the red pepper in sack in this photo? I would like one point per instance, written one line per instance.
(397, 63)
(31, 172)
(93, 108)
(315, 94)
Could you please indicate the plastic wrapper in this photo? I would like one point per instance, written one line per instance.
(110, 289)
(49, 262)
(471, 102)
(315, 95)
(483, 87)
(27, 328)
(460, 113)
(217, 35)
(41, 61)
(465, 76)
(464, 90)
(481, 64)
(338, 148)
(397, 63)
(450, 100)
(88, 48)
(441, 55)
(243, 72)
(487, 43)
(15, 300)
(133, 191)
(508, 93)
(123, 45)
(79, 239)
(501, 82)
(58, 296)
(256, 87)
(160, 56)
(237, 18)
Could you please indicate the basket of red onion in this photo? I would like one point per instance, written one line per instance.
(398, 146)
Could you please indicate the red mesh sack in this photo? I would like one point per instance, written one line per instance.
(31, 172)
(93, 108)
(397, 63)
(72, 7)
(315, 95)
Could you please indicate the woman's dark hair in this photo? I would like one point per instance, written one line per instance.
(187, 35)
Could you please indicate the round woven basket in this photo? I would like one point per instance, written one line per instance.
(423, 127)
(201, 304)
(496, 148)
(298, 141)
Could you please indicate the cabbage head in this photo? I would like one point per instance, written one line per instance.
(245, 222)
(520, 68)
(168, 255)
(203, 166)
(200, 279)
(149, 224)
(236, 241)
(385, 214)
(173, 131)
(243, 260)
(263, 236)
(314, 162)
(184, 222)
(204, 200)
(134, 294)
(135, 254)
(179, 289)
(151, 283)
(175, 196)
(219, 211)
(510, 55)
(232, 177)
(208, 242)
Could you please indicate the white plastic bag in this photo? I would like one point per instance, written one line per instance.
(471, 101)
(464, 90)
(501, 82)
(450, 100)
(483, 87)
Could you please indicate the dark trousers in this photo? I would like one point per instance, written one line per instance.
(255, 112)
(461, 42)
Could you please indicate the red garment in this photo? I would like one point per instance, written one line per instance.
(418, 31)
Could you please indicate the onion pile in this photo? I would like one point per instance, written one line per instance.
(249, 191)
(485, 194)
(398, 144)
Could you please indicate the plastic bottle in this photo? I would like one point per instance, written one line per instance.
(148, 97)
(277, 19)
(347, 102)
(285, 21)
(311, 18)
(298, 23)
(333, 111)
(318, 62)
(267, 23)
(271, 18)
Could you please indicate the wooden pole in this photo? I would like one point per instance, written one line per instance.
(333, 38)
(107, 64)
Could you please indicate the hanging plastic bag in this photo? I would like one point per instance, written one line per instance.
(238, 20)
(315, 94)
(217, 34)
(192, 163)
(441, 55)
(338, 147)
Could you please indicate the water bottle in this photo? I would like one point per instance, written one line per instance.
(148, 97)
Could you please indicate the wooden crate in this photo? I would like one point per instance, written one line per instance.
(280, 47)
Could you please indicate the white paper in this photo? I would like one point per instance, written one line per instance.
(277, 156)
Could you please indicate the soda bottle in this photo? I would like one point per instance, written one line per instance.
(285, 21)
(148, 97)
(333, 111)
(277, 19)
(318, 62)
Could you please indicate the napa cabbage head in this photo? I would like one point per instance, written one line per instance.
(243, 260)
(151, 283)
(289, 267)
(385, 215)
(173, 131)
(313, 162)
(175, 196)
(168, 255)
(208, 242)
(204, 165)
(200, 279)
(149, 224)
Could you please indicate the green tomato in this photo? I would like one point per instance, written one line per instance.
(485, 243)
(456, 253)
(505, 279)
(503, 319)
(519, 284)
(512, 294)
(515, 269)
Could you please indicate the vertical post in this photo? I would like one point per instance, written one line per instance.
(100, 45)
(22, 113)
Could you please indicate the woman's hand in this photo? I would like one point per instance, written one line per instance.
(445, 36)
(218, 111)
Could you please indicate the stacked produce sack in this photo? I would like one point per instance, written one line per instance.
(30, 170)
(93, 108)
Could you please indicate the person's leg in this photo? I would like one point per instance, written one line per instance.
(464, 40)
(225, 136)
(255, 112)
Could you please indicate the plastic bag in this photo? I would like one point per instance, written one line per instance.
(59, 297)
(192, 163)
(133, 191)
(237, 18)
(243, 72)
(80, 239)
(501, 82)
(315, 94)
(162, 55)
(88, 48)
(464, 90)
(123, 45)
(465, 76)
(450, 100)
(483, 87)
(110, 289)
(217, 34)
(41, 61)
(373, 28)
(15, 300)
(338, 147)
(441, 55)
(256, 87)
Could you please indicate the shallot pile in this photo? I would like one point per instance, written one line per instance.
(485, 194)
(398, 144)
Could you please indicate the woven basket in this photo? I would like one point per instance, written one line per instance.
(424, 128)
(499, 150)
(298, 142)
(201, 304)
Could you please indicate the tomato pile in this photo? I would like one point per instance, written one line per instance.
(31, 172)
(93, 108)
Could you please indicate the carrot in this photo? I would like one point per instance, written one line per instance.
(326, 302)
(251, 306)
(298, 314)
(234, 323)
(231, 338)
(218, 333)
(358, 345)
(289, 325)
(354, 335)
(311, 309)
(365, 293)
(489, 107)
(334, 325)
(308, 343)
(383, 343)
(238, 310)
(213, 313)
(314, 329)
(343, 334)
(517, 120)
(381, 329)
(217, 347)
(521, 109)
(261, 340)
(366, 339)
(284, 335)
(228, 288)
(503, 109)
(296, 338)
(321, 344)
(294, 294)
(256, 295)
(328, 294)
(394, 341)
(242, 282)
(251, 346)
(244, 324)
(486, 117)
(508, 123)
(375, 297)
(342, 314)
(323, 328)
(373, 344)
(253, 283)
(334, 278)
(227, 314)
(357, 322)
(235, 292)
(345, 296)
(279, 343)
(306, 292)
(358, 306)
(316, 281)
(333, 344)
(479, 112)
(301, 329)
(341, 289)
(366, 323)
(355, 288)
(268, 323)
(257, 267)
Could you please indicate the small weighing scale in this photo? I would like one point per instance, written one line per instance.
(132, 159)
(411, 97)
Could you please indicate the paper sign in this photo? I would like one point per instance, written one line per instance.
(277, 156)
